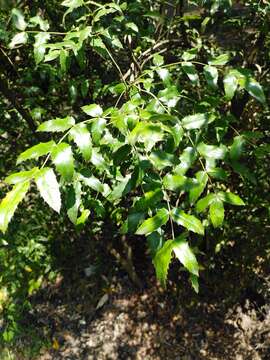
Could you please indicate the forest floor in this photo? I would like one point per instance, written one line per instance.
(120, 322)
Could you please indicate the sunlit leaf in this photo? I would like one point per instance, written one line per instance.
(152, 224)
(191, 72)
(211, 75)
(62, 158)
(82, 139)
(231, 198)
(18, 39)
(216, 212)
(195, 121)
(9, 204)
(21, 176)
(220, 60)
(185, 255)
(49, 188)
(230, 85)
(36, 151)
(93, 110)
(57, 125)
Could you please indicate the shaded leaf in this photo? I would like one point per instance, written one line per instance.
(190, 222)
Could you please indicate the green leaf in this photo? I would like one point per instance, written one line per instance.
(21, 176)
(195, 121)
(10, 202)
(212, 151)
(191, 72)
(52, 55)
(62, 158)
(36, 151)
(190, 54)
(231, 198)
(203, 203)
(185, 255)
(18, 39)
(220, 60)
(84, 216)
(82, 139)
(92, 182)
(217, 173)
(39, 46)
(194, 282)
(155, 242)
(254, 89)
(119, 189)
(48, 187)
(158, 60)
(97, 128)
(63, 60)
(190, 222)
(187, 158)
(93, 110)
(169, 96)
(211, 75)
(230, 85)
(162, 261)
(175, 182)
(73, 201)
(121, 154)
(147, 133)
(237, 147)
(216, 212)
(161, 159)
(18, 19)
(38, 21)
(57, 125)
(132, 26)
(152, 224)
(177, 132)
(196, 190)
(149, 200)
(164, 74)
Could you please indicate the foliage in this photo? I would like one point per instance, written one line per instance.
(140, 119)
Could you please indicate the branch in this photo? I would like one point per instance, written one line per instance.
(11, 96)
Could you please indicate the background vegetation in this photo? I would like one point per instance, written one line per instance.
(143, 125)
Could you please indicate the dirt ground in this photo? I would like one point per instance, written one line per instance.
(151, 325)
